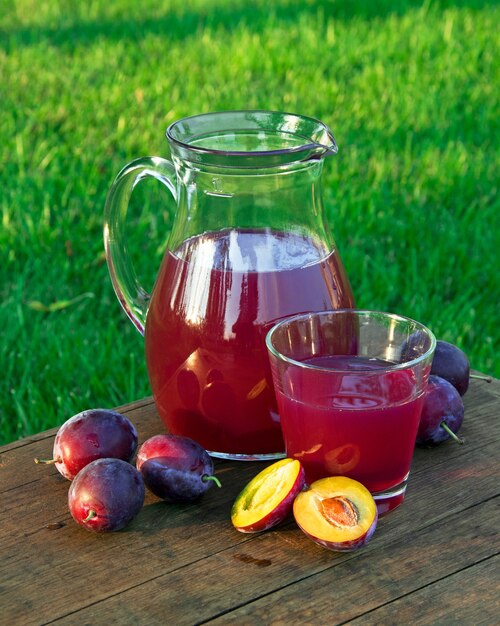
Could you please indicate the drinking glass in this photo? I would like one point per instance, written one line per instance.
(349, 386)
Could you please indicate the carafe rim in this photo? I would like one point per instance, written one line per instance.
(313, 139)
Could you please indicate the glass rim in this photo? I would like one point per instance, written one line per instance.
(358, 313)
(308, 146)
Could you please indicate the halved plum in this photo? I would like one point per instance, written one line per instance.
(268, 498)
(337, 512)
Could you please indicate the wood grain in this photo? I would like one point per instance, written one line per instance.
(468, 597)
(185, 564)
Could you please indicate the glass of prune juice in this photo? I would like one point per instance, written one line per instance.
(349, 386)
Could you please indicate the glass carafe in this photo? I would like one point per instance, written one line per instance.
(248, 246)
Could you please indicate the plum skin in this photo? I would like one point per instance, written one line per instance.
(452, 364)
(175, 468)
(414, 346)
(281, 510)
(90, 435)
(442, 403)
(106, 495)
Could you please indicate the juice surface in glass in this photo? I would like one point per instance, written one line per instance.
(215, 299)
(361, 425)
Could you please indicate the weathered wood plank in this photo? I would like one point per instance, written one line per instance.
(467, 597)
(34, 557)
(164, 539)
(367, 581)
(287, 564)
(50, 568)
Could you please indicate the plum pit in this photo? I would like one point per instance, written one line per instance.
(340, 511)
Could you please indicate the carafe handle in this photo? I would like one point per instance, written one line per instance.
(133, 298)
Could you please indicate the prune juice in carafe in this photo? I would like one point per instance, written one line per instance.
(215, 299)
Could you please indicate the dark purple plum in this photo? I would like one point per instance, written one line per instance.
(106, 494)
(416, 345)
(90, 435)
(442, 413)
(175, 468)
(452, 364)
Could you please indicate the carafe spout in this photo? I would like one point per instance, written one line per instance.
(325, 146)
(320, 151)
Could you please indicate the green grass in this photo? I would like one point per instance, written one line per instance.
(409, 88)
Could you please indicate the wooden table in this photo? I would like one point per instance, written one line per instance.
(432, 561)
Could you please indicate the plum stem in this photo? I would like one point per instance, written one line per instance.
(205, 478)
(90, 515)
(48, 461)
(487, 379)
(453, 435)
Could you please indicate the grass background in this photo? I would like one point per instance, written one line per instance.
(409, 88)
